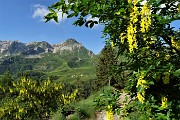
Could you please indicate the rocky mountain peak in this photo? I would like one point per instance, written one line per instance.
(35, 48)
(11, 47)
(70, 42)
(68, 45)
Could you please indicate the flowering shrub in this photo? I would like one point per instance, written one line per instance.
(31, 99)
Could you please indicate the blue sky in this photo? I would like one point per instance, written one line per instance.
(22, 20)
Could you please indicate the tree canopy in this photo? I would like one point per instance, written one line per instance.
(141, 29)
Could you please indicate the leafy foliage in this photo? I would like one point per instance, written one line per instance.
(143, 30)
(29, 99)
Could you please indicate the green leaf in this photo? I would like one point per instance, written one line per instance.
(48, 17)
(177, 73)
(71, 15)
(51, 10)
(56, 18)
(151, 83)
(154, 75)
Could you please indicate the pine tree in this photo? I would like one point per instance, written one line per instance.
(105, 66)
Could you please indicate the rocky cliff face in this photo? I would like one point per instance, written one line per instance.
(72, 46)
(11, 47)
(35, 48)
(68, 45)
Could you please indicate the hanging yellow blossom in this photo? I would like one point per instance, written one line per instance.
(141, 82)
(122, 37)
(141, 97)
(145, 18)
(135, 2)
(131, 38)
(175, 44)
(109, 113)
(132, 28)
(68, 98)
(164, 102)
(129, 1)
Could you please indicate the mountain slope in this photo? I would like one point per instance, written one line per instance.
(68, 60)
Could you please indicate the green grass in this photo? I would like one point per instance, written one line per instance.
(65, 73)
(85, 108)
(72, 74)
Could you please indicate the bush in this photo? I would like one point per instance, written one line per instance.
(31, 99)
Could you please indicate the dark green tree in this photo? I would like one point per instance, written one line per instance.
(6, 83)
(6, 79)
(106, 67)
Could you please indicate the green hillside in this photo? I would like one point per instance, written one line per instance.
(64, 68)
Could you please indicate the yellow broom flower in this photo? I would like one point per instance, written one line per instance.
(141, 97)
(164, 102)
(109, 113)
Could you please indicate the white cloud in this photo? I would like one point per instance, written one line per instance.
(40, 11)
(94, 19)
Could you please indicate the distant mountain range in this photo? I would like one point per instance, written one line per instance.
(62, 60)
(35, 48)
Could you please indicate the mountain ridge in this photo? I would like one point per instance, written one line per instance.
(16, 47)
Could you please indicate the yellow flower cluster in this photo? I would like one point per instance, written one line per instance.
(9, 107)
(166, 78)
(129, 1)
(122, 37)
(145, 18)
(164, 102)
(167, 56)
(175, 44)
(150, 41)
(141, 97)
(157, 54)
(47, 82)
(141, 83)
(131, 36)
(22, 91)
(24, 82)
(33, 94)
(69, 98)
(109, 113)
(132, 27)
